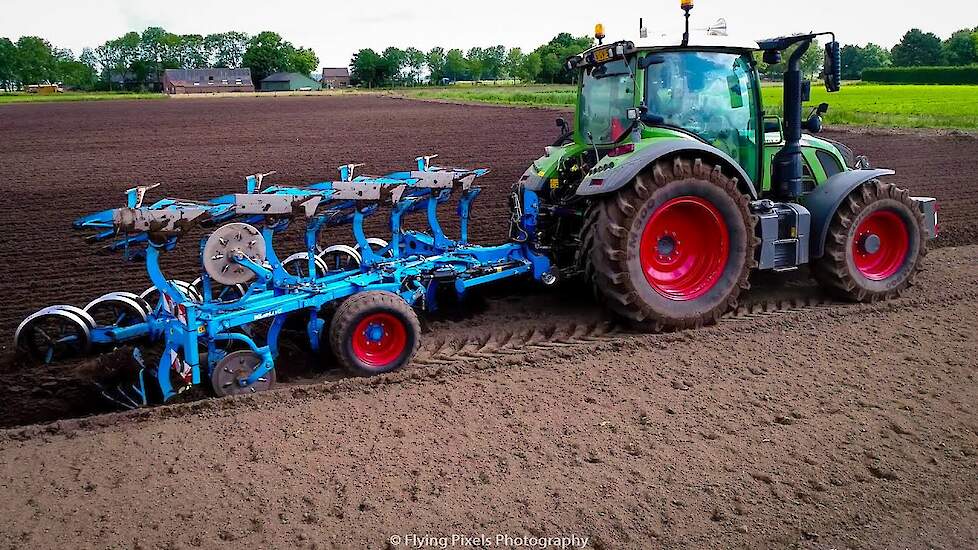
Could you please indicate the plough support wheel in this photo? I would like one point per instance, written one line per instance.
(374, 332)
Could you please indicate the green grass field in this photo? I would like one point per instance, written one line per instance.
(20, 97)
(952, 107)
(557, 95)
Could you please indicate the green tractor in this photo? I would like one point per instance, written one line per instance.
(675, 184)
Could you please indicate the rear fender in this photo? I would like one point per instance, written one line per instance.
(612, 174)
(826, 198)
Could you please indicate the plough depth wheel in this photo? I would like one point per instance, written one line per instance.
(374, 332)
(235, 367)
(54, 333)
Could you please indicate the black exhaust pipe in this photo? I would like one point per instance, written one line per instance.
(787, 162)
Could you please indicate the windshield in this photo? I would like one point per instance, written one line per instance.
(607, 91)
(709, 94)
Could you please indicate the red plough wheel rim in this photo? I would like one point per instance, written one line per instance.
(881, 245)
(379, 339)
(684, 249)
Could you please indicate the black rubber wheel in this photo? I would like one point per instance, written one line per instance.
(673, 249)
(374, 332)
(874, 246)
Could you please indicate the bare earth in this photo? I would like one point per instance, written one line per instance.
(809, 424)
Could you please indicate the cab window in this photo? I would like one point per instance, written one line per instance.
(711, 95)
(607, 92)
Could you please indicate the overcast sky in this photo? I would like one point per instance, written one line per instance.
(336, 29)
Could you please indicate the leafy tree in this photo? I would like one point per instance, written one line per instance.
(554, 53)
(959, 49)
(266, 54)
(435, 61)
(76, 74)
(36, 62)
(455, 64)
(227, 49)
(811, 62)
(8, 63)
(530, 67)
(856, 59)
(492, 61)
(301, 60)
(475, 62)
(414, 62)
(367, 68)
(917, 49)
(159, 50)
(192, 52)
(511, 66)
(393, 63)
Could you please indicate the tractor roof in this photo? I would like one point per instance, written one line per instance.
(697, 40)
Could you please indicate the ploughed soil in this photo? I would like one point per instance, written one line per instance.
(801, 422)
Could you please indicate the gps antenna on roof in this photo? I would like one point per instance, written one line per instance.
(686, 5)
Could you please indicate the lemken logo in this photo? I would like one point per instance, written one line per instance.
(268, 314)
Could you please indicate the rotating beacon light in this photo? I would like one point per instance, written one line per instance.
(686, 5)
(599, 32)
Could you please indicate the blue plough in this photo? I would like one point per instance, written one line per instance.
(360, 302)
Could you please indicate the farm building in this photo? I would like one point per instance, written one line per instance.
(337, 77)
(284, 82)
(198, 81)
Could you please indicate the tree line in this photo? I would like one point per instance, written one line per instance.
(916, 49)
(396, 67)
(137, 60)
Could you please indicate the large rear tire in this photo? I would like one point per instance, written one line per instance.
(672, 250)
(874, 244)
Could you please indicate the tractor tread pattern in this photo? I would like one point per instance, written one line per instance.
(603, 259)
(832, 271)
(351, 309)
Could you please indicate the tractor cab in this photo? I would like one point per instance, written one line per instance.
(706, 90)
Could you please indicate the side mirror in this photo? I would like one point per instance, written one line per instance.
(651, 59)
(833, 67)
(562, 124)
(814, 122)
(772, 57)
(773, 132)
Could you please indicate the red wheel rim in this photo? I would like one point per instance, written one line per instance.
(881, 245)
(379, 339)
(684, 248)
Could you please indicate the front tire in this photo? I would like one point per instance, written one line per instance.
(674, 249)
(874, 245)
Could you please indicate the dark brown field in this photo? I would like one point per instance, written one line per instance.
(796, 423)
